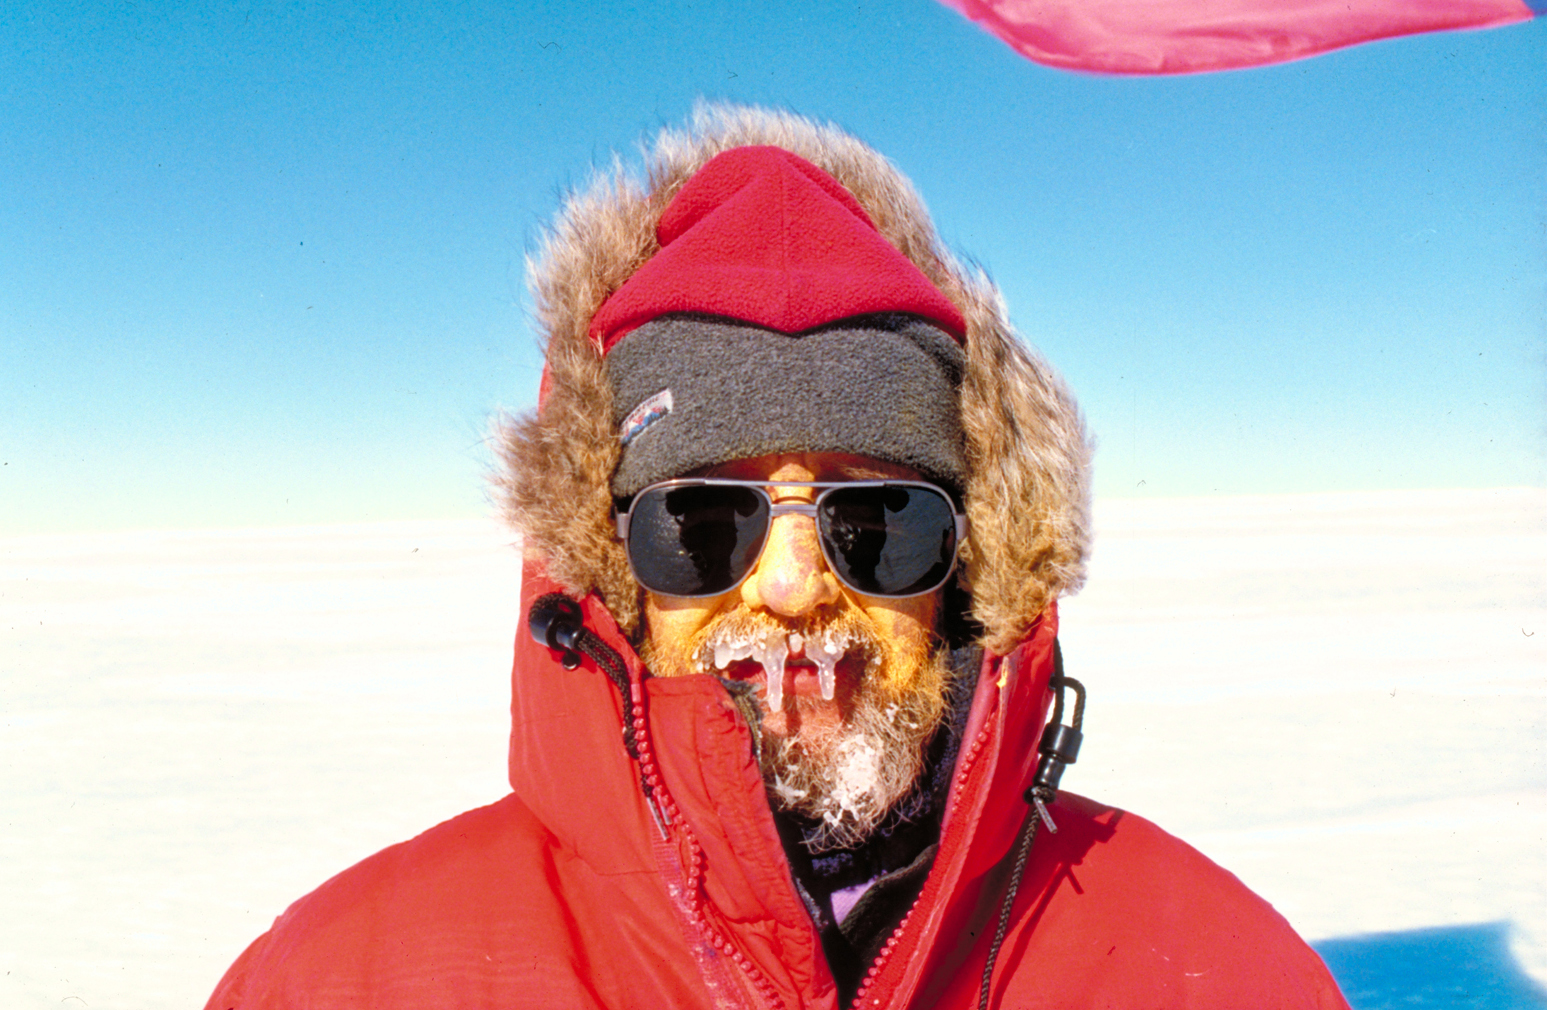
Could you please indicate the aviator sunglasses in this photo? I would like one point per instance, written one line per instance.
(703, 536)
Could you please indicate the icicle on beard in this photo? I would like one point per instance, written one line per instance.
(845, 776)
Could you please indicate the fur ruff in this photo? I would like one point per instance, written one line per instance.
(1027, 497)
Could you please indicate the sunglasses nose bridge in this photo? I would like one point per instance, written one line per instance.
(777, 509)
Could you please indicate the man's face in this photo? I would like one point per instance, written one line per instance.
(845, 760)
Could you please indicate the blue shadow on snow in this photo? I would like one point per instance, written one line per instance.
(1461, 967)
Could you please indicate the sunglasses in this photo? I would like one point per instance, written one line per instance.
(703, 536)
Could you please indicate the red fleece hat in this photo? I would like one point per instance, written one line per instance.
(766, 237)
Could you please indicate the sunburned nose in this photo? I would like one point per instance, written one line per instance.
(791, 577)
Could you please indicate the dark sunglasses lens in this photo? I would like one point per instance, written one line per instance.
(889, 541)
(697, 540)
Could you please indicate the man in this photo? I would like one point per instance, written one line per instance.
(797, 507)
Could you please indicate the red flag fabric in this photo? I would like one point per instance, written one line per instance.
(1189, 36)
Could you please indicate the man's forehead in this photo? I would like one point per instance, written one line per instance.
(818, 466)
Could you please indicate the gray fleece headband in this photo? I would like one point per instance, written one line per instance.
(690, 392)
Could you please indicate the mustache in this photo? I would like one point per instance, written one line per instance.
(850, 629)
(768, 640)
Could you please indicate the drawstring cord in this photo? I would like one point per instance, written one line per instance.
(1059, 747)
(555, 620)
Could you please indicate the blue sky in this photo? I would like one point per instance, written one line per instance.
(262, 264)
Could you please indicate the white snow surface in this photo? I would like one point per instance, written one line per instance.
(1340, 697)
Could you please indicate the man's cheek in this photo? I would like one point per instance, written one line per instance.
(907, 642)
(673, 630)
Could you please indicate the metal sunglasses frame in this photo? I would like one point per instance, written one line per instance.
(809, 509)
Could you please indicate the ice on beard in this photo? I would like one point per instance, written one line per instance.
(825, 654)
(771, 649)
(769, 652)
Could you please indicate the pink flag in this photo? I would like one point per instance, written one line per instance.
(1187, 36)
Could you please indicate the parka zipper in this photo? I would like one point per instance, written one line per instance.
(964, 768)
(1059, 746)
(664, 808)
(556, 621)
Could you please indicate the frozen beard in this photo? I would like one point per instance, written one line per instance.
(843, 754)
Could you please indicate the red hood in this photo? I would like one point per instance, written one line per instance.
(720, 848)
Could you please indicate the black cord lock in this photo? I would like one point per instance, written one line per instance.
(1060, 743)
(1060, 746)
(555, 621)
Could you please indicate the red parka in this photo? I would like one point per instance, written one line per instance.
(573, 892)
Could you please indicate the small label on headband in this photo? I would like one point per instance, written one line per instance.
(644, 415)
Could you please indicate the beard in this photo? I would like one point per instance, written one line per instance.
(846, 778)
(842, 762)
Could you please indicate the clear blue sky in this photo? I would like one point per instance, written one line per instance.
(262, 264)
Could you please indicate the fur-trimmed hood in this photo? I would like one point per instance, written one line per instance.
(1028, 457)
